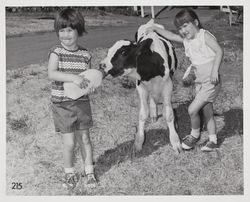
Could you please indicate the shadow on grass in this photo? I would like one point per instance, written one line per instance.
(156, 138)
(233, 125)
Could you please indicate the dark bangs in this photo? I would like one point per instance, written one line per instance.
(70, 18)
(185, 16)
(181, 20)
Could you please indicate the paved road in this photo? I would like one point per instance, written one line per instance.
(33, 49)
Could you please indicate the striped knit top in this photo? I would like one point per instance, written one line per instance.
(73, 62)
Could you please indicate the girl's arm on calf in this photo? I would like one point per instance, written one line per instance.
(167, 34)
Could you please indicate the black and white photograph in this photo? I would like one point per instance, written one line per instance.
(124, 99)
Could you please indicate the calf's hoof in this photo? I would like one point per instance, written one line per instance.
(175, 142)
(137, 148)
(138, 143)
(153, 119)
(177, 148)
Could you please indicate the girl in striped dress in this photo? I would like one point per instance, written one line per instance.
(72, 118)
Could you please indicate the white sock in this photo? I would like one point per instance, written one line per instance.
(195, 132)
(89, 169)
(213, 138)
(69, 170)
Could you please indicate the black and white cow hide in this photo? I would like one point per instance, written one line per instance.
(152, 61)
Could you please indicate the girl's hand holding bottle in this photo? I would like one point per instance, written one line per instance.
(81, 81)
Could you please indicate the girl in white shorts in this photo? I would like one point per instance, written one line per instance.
(205, 54)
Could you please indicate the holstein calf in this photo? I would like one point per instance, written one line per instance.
(152, 61)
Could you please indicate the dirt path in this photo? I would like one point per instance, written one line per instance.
(33, 49)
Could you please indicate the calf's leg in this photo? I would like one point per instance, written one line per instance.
(169, 115)
(153, 109)
(143, 115)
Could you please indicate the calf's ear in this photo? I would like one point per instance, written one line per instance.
(144, 46)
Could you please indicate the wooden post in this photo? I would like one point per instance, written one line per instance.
(135, 10)
(225, 9)
(142, 12)
(153, 12)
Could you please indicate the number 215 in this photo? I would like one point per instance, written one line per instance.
(17, 185)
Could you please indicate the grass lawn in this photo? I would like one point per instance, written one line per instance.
(34, 150)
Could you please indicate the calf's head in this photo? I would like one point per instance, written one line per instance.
(124, 56)
(118, 60)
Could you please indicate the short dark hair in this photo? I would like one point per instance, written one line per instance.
(69, 17)
(186, 15)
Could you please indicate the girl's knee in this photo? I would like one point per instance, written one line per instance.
(191, 111)
(195, 107)
(69, 146)
(68, 141)
(85, 138)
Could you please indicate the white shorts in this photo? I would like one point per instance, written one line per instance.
(206, 91)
